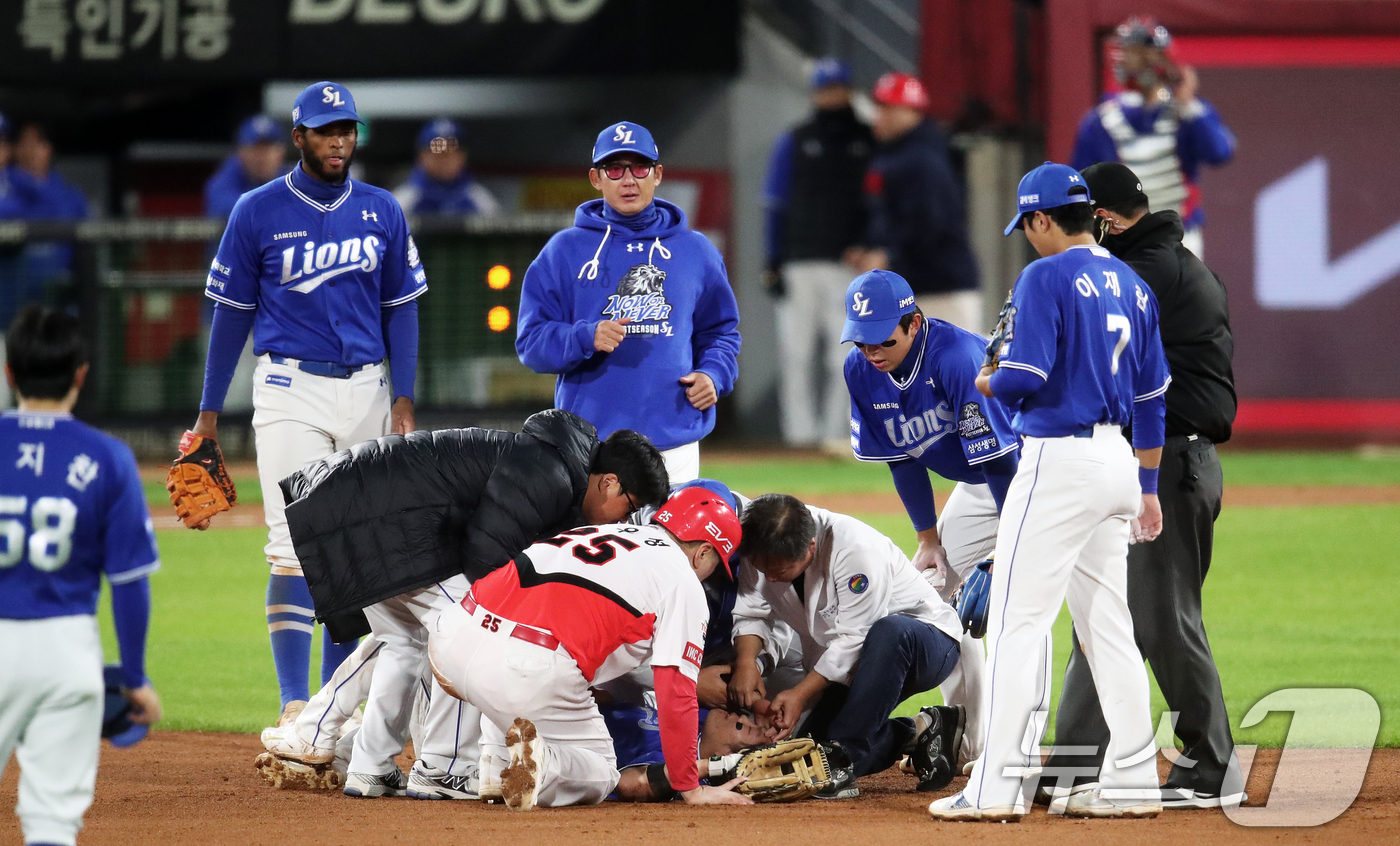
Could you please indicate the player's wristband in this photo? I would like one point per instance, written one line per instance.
(660, 785)
(1147, 477)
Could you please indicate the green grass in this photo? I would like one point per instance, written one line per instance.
(1297, 596)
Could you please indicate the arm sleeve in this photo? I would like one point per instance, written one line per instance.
(1092, 143)
(547, 339)
(1154, 375)
(1010, 386)
(716, 340)
(998, 472)
(400, 326)
(855, 612)
(916, 492)
(227, 336)
(776, 190)
(1203, 137)
(1150, 422)
(678, 717)
(131, 614)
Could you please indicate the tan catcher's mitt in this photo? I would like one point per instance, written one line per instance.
(198, 481)
(784, 771)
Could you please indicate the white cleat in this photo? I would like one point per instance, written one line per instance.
(520, 782)
(291, 711)
(1090, 804)
(956, 808)
(284, 742)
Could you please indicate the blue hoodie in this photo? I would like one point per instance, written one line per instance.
(673, 285)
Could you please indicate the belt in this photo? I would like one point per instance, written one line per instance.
(319, 368)
(520, 630)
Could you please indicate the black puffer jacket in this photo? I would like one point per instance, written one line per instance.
(395, 514)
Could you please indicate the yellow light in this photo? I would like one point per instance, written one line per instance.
(498, 319)
(498, 277)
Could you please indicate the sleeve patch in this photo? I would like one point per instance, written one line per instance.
(694, 654)
(972, 423)
(858, 583)
(413, 260)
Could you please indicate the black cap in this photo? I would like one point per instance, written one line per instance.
(1113, 185)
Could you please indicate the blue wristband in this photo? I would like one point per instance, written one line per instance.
(1148, 479)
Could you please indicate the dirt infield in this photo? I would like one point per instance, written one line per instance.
(201, 790)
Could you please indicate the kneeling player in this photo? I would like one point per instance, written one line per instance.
(579, 609)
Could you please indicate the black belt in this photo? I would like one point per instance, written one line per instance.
(320, 368)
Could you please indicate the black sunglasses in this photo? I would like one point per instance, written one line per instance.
(616, 170)
(631, 503)
(887, 344)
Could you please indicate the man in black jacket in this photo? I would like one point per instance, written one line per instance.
(399, 526)
(1165, 576)
(814, 212)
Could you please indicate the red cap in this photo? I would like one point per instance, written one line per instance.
(901, 89)
(697, 514)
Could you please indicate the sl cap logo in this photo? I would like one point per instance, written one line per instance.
(330, 95)
(860, 304)
(623, 134)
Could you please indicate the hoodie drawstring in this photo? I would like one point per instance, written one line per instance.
(592, 266)
(657, 247)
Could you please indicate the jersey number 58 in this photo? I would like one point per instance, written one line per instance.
(49, 533)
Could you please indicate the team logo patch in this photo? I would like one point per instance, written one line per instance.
(413, 260)
(694, 654)
(971, 423)
(858, 583)
(641, 296)
(283, 381)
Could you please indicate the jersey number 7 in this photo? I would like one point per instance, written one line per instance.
(1118, 323)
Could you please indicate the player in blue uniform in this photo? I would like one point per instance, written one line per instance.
(915, 406)
(1082, 359)
(259, 159)
(71, 511)
(441, 183)
(324, 272)
(633, 309)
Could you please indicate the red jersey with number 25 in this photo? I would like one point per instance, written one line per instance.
(615, 596)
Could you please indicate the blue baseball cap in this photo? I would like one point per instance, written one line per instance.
(445, 128)
(875, 301)
(117, 725)
(830, 71)
(259, 129)
(322, 103)
(1047, 187)
(625, 137)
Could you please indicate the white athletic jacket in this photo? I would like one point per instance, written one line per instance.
(856, 577)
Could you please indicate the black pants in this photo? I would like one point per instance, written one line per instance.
(1164, 596)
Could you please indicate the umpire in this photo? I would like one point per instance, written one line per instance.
(1165, 576)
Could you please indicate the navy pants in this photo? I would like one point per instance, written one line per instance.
(901, 657)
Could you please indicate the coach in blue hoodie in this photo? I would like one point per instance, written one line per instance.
(633, 310)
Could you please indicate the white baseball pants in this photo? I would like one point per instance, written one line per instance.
(451, 730)
(1064, 535)
(682, 463)
(51, 694)
(508, 678)
(813, 309)
(960, 308)
(298, 418)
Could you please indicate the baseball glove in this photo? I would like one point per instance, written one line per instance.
(972, 598)
(784, 771)
(1002, 334)
(198, 481)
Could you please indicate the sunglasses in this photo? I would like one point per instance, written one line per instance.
(616, 170)
(887, 344)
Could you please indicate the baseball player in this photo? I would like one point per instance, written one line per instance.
(579, 610)
(873, 634)
(441, 183)
(71, 511)
(324, 272)
(630, 302)
(915, 406)
(1079, 354)
(259, 159)
(641, 759)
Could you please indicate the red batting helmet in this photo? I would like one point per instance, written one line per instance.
(697, 514)
(901, 89)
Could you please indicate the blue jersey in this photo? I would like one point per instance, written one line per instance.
(1086, 324)
(636, 734)
(225, 186)
(933, 414)
(71, 509)
(318, 263)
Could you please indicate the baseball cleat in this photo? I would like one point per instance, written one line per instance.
(520, 782)
(291, 711)
(367, 786)
(284, 742)
(906, 765)
(1186, 799)
(936, 749)
(285, 774)
(1054, 796)
(843, 775)
(956, 808)
(429, 782)
(967, 767)
(1091, 804)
